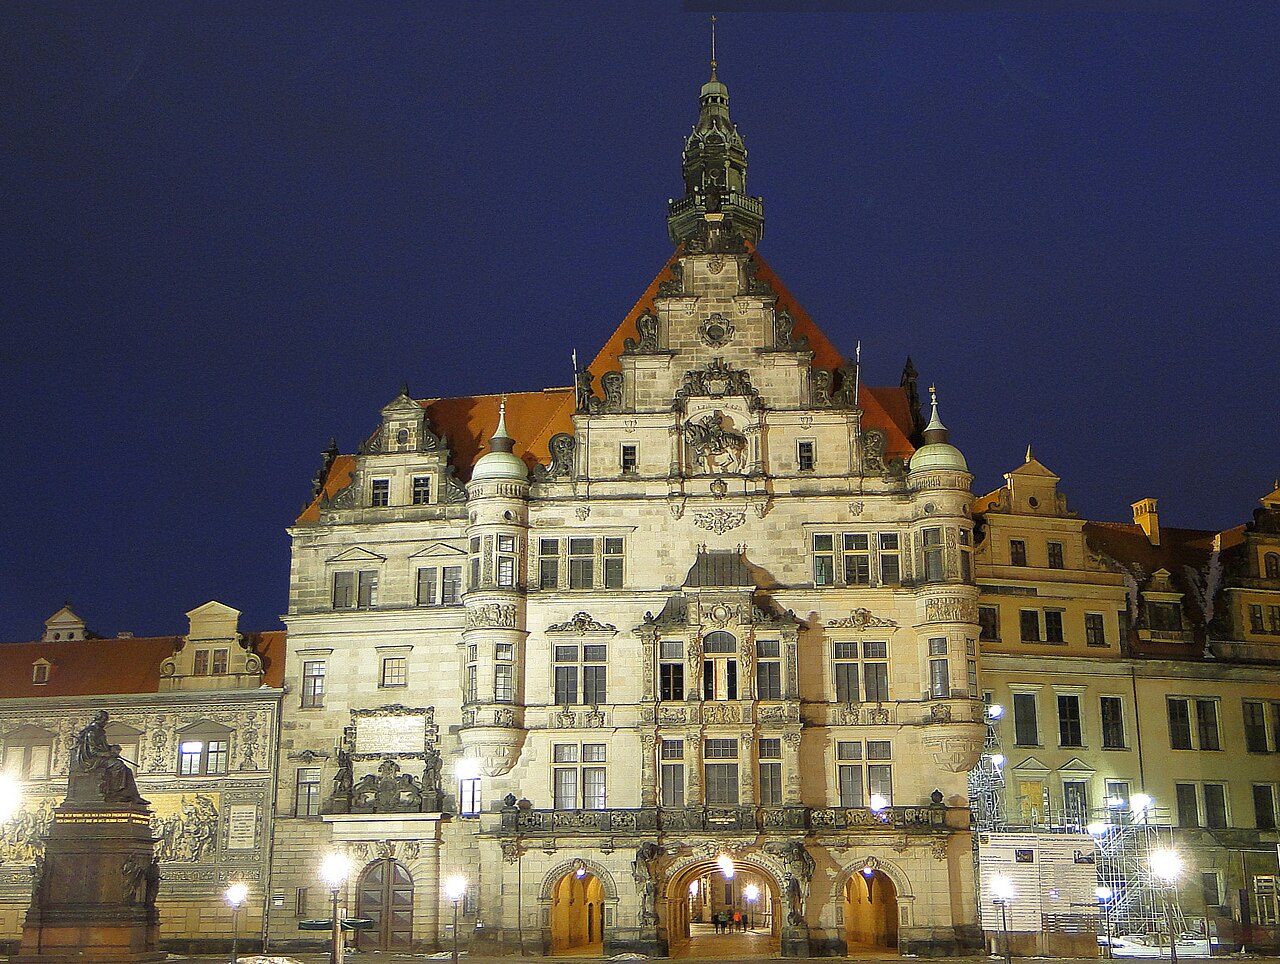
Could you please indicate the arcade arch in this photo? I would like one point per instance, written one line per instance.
(870, 912)
(700, 891)
(577, 913)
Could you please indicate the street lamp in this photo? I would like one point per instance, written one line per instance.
(1104, 895)
(334, 870)
(1166, 866)
(1001, 896)
(235, 896)
(751, 892)
(455, 888)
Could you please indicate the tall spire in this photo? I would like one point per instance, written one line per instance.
(935, 431)
(714, 164)
(501, 441)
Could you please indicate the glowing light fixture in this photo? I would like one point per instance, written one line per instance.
(467, 769)
(1002, 891)
(1166, 865)
(725, 863)
(455, 888)
(997, 759)
(235, 895)
(693, 888)
(1139, 803)
(879, 802)
(995, 711)
(334, 870)
(1103, 893)
(751, 892)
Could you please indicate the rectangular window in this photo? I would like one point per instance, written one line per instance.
(355, 590)
(613, 563)
(469, 797)
(1069, 730)
(933, 568)
(506, 571)
(380, 494)
(1075, 801)
(1210, 888)
(1026, 728)
(1095, 630)
(313, 683)
(306, 802)
(849, 773)
(966, 557)
(582, 558)
(1112, 723)
(422, 490)
(1256, 625)
(939, 676)
(1264, 806)
(1273, 613)
(1215, 806)
(566, 685)
(593, 788)
(989, 623)
(428, 586)
(451, 586)
(220, 659)
(824, 560)
(216, 753)
(367, 590)
(1117, 793)
(1017, 552)
(875, 674)
(565, 789)
(890, 560)
(1165, 617)
(805, 455)
(1053, 626)
(1179, 723)
(630, 457)
(769, 680)
(671, 681)
(672, 775)
(770, 751)
(503, 683)
(846, 671)
(473, 684)
(1207, 724)
(201, 666)
(548, 563)
(594, 680)
(880, 784)
(395, 671)
(1055, 555)
(1188, 809)
(1029, 623)
(857, 560)
(721, 778)
(1255, 726)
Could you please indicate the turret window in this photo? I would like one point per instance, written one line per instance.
(933, 568)
(939, 674)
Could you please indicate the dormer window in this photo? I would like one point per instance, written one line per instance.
(402, 437)
(211, 662)
(1164, 617)
(421, 490)
(40, 672)
(380, 493)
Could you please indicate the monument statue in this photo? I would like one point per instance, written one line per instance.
(92, 756)
(96, 883)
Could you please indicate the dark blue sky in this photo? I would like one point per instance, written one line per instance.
(226, 238)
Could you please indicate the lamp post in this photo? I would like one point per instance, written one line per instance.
(1104, 895)
(1001, 896)
(235, 895)
(751, 892)
(334, 870)
(455, 888)
(1166, 865)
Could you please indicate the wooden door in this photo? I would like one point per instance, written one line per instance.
(386, 898)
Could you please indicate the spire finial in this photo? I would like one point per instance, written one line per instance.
(713, 46)
(1029, 455)
(935, 431)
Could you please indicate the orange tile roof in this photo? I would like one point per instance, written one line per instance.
(534, 417)
(102, 667)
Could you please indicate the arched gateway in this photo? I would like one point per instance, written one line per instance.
(702, 898)
(385, 896)
(870, 912)
(577, 913)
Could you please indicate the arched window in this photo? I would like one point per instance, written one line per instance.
(28, 752)
(203, 749)
(1271, 565)
(719, 666)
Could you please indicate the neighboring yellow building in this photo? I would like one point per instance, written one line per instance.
(1128, 661)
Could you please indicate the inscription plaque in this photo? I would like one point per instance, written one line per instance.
(391, 734)
(242, 827)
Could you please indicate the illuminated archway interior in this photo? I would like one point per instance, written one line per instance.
(577, 913)
(707, 891)
(870, 911)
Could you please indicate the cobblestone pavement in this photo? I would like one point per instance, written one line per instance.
(381, 958)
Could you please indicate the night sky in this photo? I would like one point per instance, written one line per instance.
(227, 238)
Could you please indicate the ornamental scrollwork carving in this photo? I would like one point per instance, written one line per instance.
(950, 609)
(582, 623)
(716, 331)
(873, 443)
(674, 287)
(717, 380)
(611, 384)
(647, 329)
(565, 719)
(862, 619)
(719, 520)
(783, 337)
(452, 491)
(561, 448)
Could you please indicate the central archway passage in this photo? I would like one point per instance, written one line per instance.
(870, 913)
(577, 914)
(700, 895)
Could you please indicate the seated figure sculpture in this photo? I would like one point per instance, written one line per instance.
(93, 755)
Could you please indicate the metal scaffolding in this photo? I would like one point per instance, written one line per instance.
(986, 780)
(1133, 900)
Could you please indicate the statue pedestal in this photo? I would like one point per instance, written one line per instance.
(94, 895)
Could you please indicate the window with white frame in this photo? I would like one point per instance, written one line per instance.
(671, 776)
(770, 784)
(203, 750)
(719, 666)
(380, 493)
(939, 671)
(1193, 723)
(1026, 726)
(313, 673)
(471, 691)
(210, 661)
(578, 776)
(849, 774)
(439, 586)
(670, 670)
(505, 560)
(28, 753)
(469, 796)
(868, 659)
(1261, 726)
(1070, 728)
(421, 493)
(1201, 804)
(1112, 710)
(720, 771)
(395, 671)
(879, 773)
(504, 683)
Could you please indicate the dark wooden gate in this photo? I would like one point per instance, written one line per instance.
(386, 898)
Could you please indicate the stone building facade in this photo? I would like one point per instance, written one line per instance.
(196, 716)
(711, 603)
